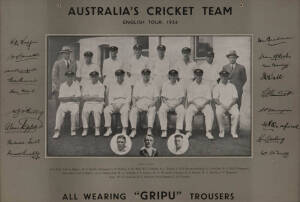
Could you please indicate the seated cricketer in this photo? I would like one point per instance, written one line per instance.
(225, 96)
(199, 96)
(172, 96)
(145, 96)
(119, 98)
(69, 97)
(93, 97)
(148, 150)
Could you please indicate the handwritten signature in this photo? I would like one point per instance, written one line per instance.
(273, 41)
(280, 66)
(270, 139)
(272, 92)
(24, 57)
(22, 91)
(275, 153)
(34, 154)
(21, 71)
(26, 110)
(24, 125)
(25, 42)
(275, 57)
(272, 125)
(271, 76)
(270, 110)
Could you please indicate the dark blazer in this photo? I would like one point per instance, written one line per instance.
(58, 72)
(237, 76)
(143, 152)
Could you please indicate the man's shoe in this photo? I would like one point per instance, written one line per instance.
(84, 133)
(234, 135)
(132, 134)
(108, 132)
(221, 134)
(209, 136)
(73, 133)
(56, 134)
(97, 132)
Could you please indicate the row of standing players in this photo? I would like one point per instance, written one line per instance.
(146, 93)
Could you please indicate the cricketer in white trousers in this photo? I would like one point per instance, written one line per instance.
(226, 93)
(145, 94)
(92, 90)
(199, 94)
(66, 91)
(171, 92)
(151, 111)
(119, 97)
(73, 108)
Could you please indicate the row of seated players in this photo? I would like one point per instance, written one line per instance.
(144, 97)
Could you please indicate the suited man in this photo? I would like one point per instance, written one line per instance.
(60, 67)
(237, 75)
(148, 150)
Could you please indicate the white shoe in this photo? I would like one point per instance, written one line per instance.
(84, 133)
(234, 135)
(132, 134)
(73, 133)
(97, 132)
(56, 134)
(209, 136)
(221, 134)
(108, 132)
(189, 134)
(164, 134)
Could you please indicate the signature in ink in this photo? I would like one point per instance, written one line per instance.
(24, 57)
(271, 92)
(25, 125)
(25, 42)
(34, 154)
(273, 41)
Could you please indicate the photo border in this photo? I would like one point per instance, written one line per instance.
(162, 157)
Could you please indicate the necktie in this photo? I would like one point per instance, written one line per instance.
(68, 64)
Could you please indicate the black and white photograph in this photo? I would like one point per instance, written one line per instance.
(126, 96)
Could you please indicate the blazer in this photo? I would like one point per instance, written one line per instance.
(143, 152)
(58, 72)
(237, 76)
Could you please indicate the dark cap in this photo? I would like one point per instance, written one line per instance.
(69, 73)
(224, 73)
(173, 72)
(198, 72)
(94, 74)
(119, 72)
(161, 47)
(210, 53)
(137, 47)
(186, 50)
(113, 48)
(146, 71)
(88, 54)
